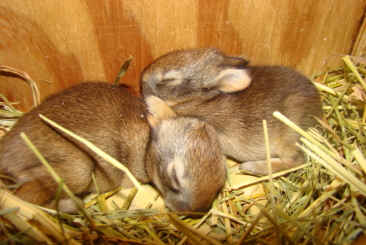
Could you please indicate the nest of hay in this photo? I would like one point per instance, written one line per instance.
(320, 202)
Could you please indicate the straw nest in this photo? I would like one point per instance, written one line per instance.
(320, 202)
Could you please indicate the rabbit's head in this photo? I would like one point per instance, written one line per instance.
(185, 74)
(184, 159)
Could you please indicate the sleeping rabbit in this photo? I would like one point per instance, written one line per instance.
(179, 155)
(234, 97)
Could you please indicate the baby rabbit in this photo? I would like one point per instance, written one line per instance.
(179, 155)
(235, 98)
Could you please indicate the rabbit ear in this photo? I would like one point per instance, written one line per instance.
(236, 62)
(232, 80)
(158, 110)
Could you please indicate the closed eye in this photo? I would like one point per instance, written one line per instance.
(174, 190)
(172, 81)
(172, 77)
(175, 182)
(167, 80)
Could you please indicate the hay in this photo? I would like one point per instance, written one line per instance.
(320, 202)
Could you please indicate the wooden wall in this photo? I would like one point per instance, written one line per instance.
(70, 41)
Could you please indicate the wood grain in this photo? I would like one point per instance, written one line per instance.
(71, 41)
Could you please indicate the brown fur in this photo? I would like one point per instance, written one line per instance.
(113, 120)
(196, 86)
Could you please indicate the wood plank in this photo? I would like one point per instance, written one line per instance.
(67, 42)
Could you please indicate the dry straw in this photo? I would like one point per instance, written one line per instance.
(320, 202)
